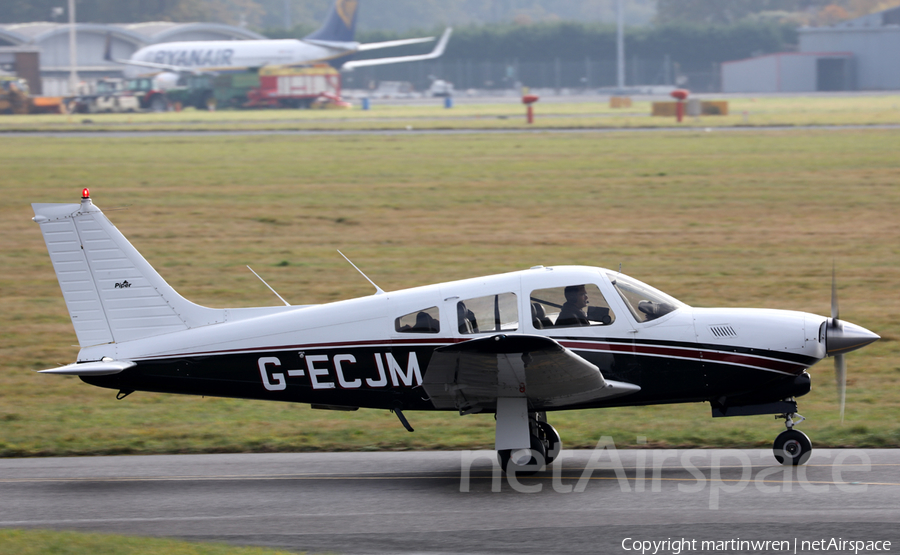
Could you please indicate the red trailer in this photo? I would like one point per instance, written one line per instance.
(294, 86)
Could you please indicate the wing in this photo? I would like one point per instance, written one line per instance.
(470, 376)
(436, 53)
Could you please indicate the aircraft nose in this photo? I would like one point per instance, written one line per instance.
(843, 337)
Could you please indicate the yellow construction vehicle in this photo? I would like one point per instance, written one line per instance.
(15, 98)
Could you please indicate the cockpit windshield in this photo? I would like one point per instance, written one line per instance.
(644, 302)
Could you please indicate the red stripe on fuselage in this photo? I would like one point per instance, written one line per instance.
(763, 363)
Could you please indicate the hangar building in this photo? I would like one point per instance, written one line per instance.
(51, 41)
(858, 54)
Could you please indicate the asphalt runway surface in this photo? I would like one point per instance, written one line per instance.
(80, 134)
(590, 501)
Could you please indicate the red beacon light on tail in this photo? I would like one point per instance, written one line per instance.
(85, 193)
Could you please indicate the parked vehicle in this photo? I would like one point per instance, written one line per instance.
(149, 94)
(15, 98)
(106, 95)
(267, 87)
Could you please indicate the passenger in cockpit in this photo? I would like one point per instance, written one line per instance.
(572, 313)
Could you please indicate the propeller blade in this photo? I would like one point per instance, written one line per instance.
(835, 310)
(840, 376)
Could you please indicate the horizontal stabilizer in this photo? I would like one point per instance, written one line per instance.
(472, 375)
(98, 368)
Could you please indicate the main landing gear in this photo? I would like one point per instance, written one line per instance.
(792, 447)
(545, 448)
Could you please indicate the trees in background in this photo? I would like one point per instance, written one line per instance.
(800, 12)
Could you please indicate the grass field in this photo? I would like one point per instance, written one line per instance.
(753, 218)
(39, 542)
(743, 111)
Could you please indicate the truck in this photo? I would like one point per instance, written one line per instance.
(266, 87)
(13, 95)
(150, 96)
(106, 95)
(15, 98)
(295, 86)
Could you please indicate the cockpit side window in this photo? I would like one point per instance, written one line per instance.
(421, 321)
(493, 313)
(645, 303)
(579, 304)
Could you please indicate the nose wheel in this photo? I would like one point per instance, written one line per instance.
(792, 447)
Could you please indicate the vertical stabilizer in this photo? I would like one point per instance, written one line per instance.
(111, 291)
(340, 26)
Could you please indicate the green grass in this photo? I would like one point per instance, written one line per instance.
(717, 219)
(41, 542)
(743, 111)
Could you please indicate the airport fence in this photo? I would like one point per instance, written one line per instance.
(557, 74)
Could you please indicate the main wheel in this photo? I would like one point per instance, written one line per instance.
(554, 443)
(524, 461)
(792, 447)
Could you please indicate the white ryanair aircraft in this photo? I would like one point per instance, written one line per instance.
(332, 41)
(520, 345)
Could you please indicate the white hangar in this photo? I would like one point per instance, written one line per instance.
(51, 40)
(858, 54)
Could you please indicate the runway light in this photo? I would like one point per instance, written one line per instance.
(85, 193)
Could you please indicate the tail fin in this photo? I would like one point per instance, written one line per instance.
(340, 26)
(112, 293)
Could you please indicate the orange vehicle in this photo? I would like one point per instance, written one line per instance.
(15, 98)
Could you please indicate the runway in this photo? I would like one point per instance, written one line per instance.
(413, 132)
(600, 501)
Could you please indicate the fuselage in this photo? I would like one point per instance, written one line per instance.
(236, 54)
(375, 351)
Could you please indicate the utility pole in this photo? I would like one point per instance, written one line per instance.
(620, 44)
(73, 54)
(288, 24)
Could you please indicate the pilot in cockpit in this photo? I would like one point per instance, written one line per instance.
(573, 311)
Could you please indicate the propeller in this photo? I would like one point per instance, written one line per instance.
(840, 338)
(840, 365)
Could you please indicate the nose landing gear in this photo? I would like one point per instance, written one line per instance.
(792, 447)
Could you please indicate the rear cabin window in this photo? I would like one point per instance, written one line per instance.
(489, 314)
(571, 306)
(421, 321)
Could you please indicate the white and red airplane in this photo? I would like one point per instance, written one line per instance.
(519, 345)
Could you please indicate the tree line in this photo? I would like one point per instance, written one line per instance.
(692, 45)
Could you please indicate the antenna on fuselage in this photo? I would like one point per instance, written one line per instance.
(270, 287)
(615, 279)
(378, 290)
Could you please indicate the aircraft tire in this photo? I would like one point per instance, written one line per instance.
(554, 442)
(535, 463)
(792, 447)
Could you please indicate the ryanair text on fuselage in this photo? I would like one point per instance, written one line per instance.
(194, 58)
